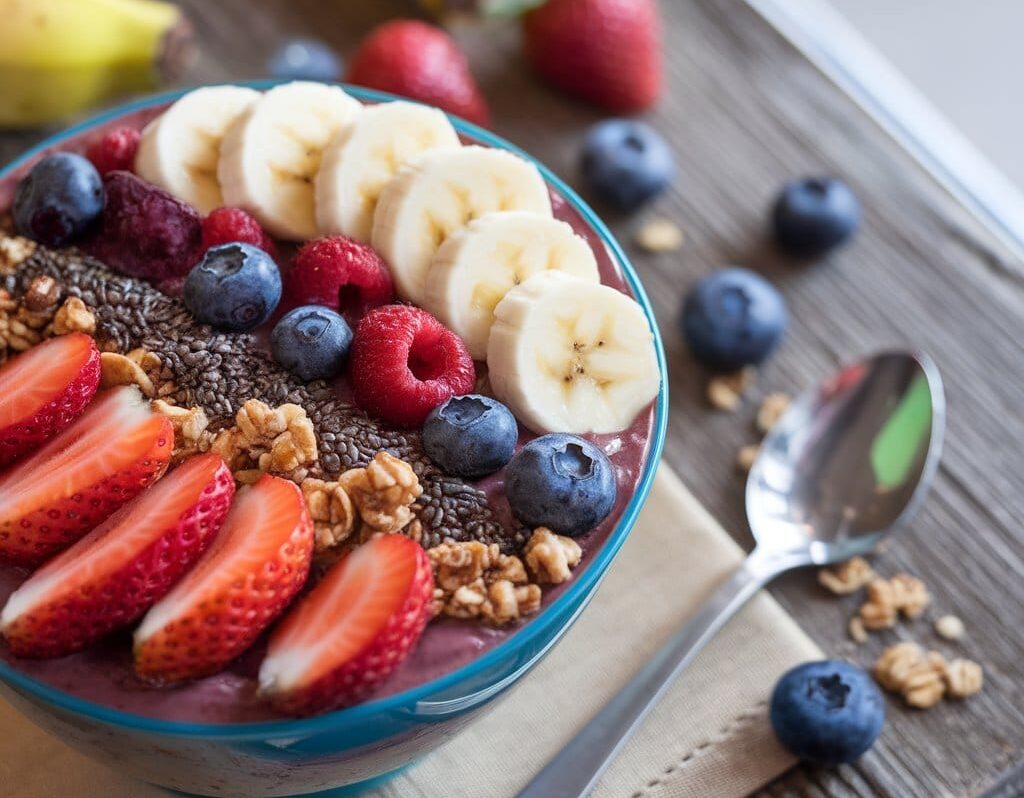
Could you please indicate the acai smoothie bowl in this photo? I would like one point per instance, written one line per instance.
(322, 416)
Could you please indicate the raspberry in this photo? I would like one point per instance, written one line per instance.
(144, 231)
(114, 150)
(225, 225)
(405, 363)
(340, 273)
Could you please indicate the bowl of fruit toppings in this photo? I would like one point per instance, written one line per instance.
(322, 416)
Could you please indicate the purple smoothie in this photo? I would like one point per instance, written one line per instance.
(104, 673)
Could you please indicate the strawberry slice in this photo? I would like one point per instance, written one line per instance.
(105, 458)
(111, 576)
(352, 630)
(245, 579)
(45, 389)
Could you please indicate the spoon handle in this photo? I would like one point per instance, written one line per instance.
(575, 770)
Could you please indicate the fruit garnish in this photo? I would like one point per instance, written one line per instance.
(114, 150)
(366, 155)
(43, 390)
(257, 563)
(234, 287)
(49, 499)
(476, 266)
(270, 155)
(440, 193)
(305, 59)
(229, 225)
(312, 342)
(422, 62)
(470, 436)
(180, 149)
(352, 630)
(59, 200)
(827, 712)
(339, 273)
(404, 363)
(733, 318)
(626, 162)
(111, 576)
(561, 482)
(607, 52)
(570, 355)
(815, 215)
(144, 231)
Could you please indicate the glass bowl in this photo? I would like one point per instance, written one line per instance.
(350, 749)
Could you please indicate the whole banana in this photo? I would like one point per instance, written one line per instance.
(59, 58)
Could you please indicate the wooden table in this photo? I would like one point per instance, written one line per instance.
(746, 111)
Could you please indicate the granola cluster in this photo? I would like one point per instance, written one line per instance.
(924, 678)
(264, 439)
(139, 367)
(39, 315)
(190, 428)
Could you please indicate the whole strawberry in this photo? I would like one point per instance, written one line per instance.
(607, 52)
(422, 62)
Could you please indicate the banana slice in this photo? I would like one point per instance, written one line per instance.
(569, 355)
(180, 149)
(439, 193)
(366, 155)
(270, 155)
(476, 266)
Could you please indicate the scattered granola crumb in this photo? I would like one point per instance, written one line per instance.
(857, 631)
(659, 235)
(964, 678)
(551, 557)
(74, 316)
(771, 410)
(887, 598)
(847, 577)
(950, 627)
(906, 668)
(725, 391)
(746, 456)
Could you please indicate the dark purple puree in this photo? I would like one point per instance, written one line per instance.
(104, 673)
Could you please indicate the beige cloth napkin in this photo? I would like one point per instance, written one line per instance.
(709, 738)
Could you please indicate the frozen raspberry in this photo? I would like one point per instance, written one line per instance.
(405, 363)
(225, 225)
(114, 150)
(144, 231)
(340, 273)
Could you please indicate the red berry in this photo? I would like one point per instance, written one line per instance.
(420, 61)
(340, 273)
(607, 52)
(405, 363)
(225, 225)
(114, 150)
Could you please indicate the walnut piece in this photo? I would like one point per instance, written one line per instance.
(964, 678)
(117, 369)
(383, 492)
(190, 428)
(268, 440)
(334, 516)
(906, 668)
(887, 598)
(725, 391)
(771, 410)
(846, 577)
(949, 627)
(74, 316)
(551, 557)
(659, 235)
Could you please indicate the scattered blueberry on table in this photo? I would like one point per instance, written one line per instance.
(562, 482)
(626, 162)
(312, 342)
(470, 436)
(814, 215)
(733, 318)
(58, 200)
(827, 712)
(234, 287)
(305, 59)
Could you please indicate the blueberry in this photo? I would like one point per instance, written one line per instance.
(626, 162)
(58, 200)
(305, 59)
(470, 436)
(234, 287)
(733, 318)
(562, 482)
(814, 215)
(827, 712)
(312, 342)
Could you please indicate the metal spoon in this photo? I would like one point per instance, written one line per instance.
(847, 461)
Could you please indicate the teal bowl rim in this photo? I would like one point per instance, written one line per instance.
(578, 590)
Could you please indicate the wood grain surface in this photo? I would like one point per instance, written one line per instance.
(744, 112)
